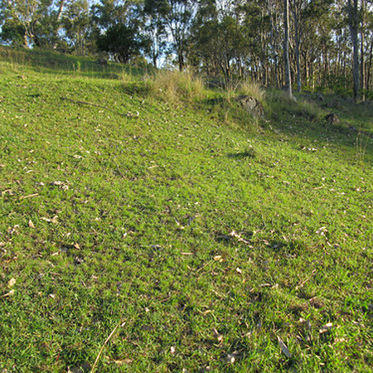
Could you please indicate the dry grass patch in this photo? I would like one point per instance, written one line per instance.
(252, 89)
(174, 86)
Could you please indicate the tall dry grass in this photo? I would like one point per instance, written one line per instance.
(175, 86)
(252, 89)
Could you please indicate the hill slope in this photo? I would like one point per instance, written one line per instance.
(204, 247)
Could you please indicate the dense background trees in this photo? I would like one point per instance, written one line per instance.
(330, 42)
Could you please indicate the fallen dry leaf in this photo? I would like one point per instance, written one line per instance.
(283, 346)
(8, 294)
(54, 220)
(218, 336)
(12, 230)
(322, 231)
(204, 313)
(238, 236)
(122, 362)
(57, 183)
(231, 358)
(326, 328)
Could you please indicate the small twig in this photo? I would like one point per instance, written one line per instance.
(119, 169)
(102, 348)
(120, 324)
(206, 264)
(29, 196)
(219, 295)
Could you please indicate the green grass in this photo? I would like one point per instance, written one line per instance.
(201, 235)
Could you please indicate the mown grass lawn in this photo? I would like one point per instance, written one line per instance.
(205, 240)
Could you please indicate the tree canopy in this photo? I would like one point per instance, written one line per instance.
(329, 43)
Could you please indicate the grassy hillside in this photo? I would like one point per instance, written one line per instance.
(144, 228)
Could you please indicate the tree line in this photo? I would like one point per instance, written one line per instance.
(307, 44)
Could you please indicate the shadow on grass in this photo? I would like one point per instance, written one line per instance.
(250, 153)
(53, 62)
(305, 122)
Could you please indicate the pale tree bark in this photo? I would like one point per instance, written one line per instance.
(58, 25)
(273, 43)
(296, 7)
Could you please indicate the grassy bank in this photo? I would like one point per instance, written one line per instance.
(204, 239)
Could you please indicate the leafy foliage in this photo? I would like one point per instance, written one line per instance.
(121, 41)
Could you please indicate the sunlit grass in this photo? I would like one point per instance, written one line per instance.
(200, 244)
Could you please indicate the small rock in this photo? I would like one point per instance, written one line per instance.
(332, 118)
(251, 105)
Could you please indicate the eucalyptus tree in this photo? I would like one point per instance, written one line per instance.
(155, 31)
(21, 18)
(12, 30)
(122, 42)
(106, 13)
(353, 19)
(297, 9)
(176, 17)
(118, 28)
(369, 43)
(76, 25)
(275, 38)
(288, 86)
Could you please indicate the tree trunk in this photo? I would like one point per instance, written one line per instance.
(181, 61)
(354, 24)
(286, 51)
(296, 14)
(362, 52)
(370, 64)
(25, 42)
(297, 57)
(58, 22)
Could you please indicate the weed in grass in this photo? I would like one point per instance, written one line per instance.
(78, 67)
(361, 142)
